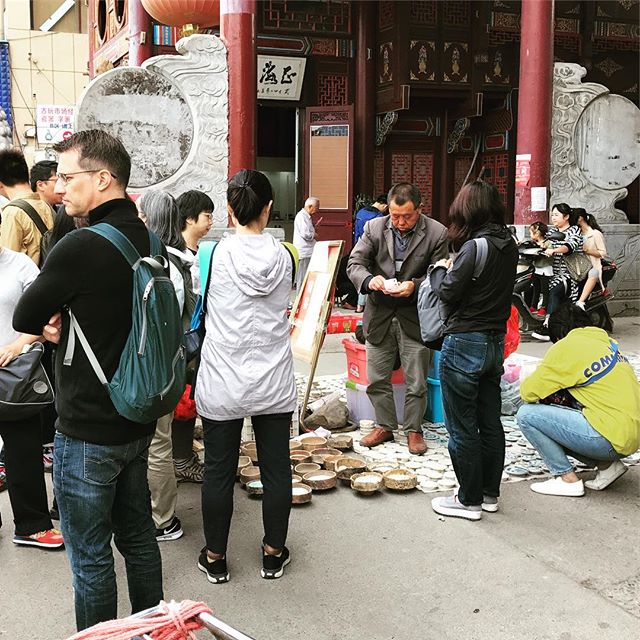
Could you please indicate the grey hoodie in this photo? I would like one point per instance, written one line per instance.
(246, 366)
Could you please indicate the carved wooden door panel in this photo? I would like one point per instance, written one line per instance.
(329, 169)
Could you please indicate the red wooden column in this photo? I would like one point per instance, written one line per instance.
(365, 108)
(238, 32)
(139, 24)
(534, 103)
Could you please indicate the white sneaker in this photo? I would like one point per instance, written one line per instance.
(558, 487)
(490, 504)
(607, 476)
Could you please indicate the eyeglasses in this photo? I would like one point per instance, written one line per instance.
(66, 177)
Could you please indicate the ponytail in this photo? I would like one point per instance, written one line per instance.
(248, 193)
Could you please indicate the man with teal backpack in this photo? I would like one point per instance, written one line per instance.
(104, 294)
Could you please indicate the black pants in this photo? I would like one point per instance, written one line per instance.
(25, 475)
(182, 438)
(49, 415)
(222, 446)
(539, 286)
(557, 296)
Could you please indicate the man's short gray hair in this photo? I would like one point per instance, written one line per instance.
(311, 201)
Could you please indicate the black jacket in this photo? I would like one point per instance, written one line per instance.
(483, 305)
(87, 273)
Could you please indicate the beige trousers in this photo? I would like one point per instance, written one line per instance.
(160, 473)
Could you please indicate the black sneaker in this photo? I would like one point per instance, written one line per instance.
(541, 334)
(216, 571)
(172, 531)
(273, 566)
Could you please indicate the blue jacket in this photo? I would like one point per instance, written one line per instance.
(362, 217)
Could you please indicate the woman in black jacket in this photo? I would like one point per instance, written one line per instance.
(473, 347)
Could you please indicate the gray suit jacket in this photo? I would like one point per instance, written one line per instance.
(374, 255)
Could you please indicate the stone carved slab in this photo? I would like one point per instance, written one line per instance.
(595, 144)
(174, 123)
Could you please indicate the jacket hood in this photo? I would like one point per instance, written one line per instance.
(497, 235)
(186, 257)
(256, 264)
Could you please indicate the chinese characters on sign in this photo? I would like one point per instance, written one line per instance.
(280, 78)
(54, 123)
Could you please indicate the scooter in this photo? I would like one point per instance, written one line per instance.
(595, 305)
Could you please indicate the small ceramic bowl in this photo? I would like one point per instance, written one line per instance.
(297, 457)
(318, 455)
(243, 461)
(344, 443)
(248, 474)
(300, 493)
(296, 479)
(330, 462)
(295, 445)
(400, 479)
(313, 442)
(249, 449)
(255, 488)
(367, 482)
(321, 480)
(306, 467)
(346, 467)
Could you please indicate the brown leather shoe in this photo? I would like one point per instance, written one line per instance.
(417, 445)
(376, 437)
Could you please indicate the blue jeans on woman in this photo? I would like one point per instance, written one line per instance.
(470, 372)
(103, 493)
(556, 431)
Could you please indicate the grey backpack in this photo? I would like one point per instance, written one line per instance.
(432, 313)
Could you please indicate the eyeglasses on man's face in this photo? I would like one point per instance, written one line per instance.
(66, 177)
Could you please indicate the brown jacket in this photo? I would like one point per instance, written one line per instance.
(18, 232)
(374, 255)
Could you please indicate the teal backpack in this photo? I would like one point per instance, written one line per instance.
(150, 377)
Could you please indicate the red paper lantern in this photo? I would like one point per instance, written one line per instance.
(176, 13)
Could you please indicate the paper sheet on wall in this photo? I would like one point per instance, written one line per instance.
(538, 198)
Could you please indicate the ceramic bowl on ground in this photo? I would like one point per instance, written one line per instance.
(330, 462)
(254, 487)
(243, 461)
(297, 457)
(296, 479)
(400, 479)
(300, 493)
(344, 443)
(367, 482)
(318, 455)
(320, 480)
(249, 449)
(381, 467)
(248, 474)
(346, 467)
(306, 467)
(295, 445)
(313, 442)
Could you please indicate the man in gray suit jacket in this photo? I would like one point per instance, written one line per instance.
(400, 246)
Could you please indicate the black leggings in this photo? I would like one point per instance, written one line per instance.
(25, 475)
(222, 445)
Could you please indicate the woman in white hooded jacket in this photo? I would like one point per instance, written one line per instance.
(246, 369)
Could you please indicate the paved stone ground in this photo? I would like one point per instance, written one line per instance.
(386, 567)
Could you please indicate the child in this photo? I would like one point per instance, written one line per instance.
(543, 265)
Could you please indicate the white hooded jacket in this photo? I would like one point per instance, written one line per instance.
(246, 365)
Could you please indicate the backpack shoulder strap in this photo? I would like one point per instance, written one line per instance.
(482, 253)
(205, 257)
(294, 258)
(119, 240)
(32, 213)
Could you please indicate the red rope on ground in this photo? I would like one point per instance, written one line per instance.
(172, 621)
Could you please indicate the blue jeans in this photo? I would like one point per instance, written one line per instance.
(556, 431)
(103, 493)
(470, 371)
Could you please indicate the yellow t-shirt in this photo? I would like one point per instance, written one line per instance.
(611, 403)
(17, 230)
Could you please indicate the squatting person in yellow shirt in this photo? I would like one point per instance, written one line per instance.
(598, 418)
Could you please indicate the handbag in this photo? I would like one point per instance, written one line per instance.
(578, 264)
(194, 337)
(25, 388)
